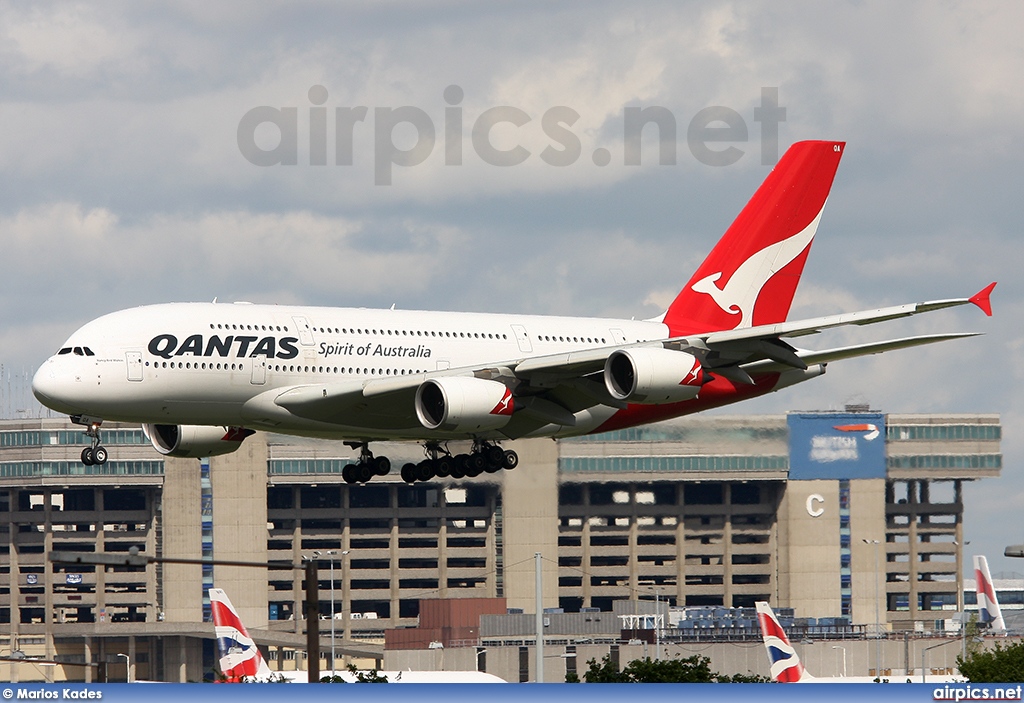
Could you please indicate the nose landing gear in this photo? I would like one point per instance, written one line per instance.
(96, 454)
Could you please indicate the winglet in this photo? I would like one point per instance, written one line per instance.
(981, 299)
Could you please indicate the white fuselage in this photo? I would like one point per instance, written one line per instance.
(201, 363)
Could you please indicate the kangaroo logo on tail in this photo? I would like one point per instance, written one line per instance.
(240, 659)
(750, 276)
(744, 286)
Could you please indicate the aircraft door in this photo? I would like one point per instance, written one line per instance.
(305, 331)
(134, 362)
(618, 336)
(259, 371)
(523, 338)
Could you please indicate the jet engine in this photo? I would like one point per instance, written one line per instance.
(195, 441)
(463, 404)
(652, 376)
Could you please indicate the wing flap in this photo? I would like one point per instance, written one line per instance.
(839, 353)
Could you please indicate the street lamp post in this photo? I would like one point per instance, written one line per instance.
(331, 553)
(960, 572)
(924, 652)
(128, 667)
(657, 630)
(878, 626)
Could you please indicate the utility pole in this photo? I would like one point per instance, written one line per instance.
(312, 622)
(540, 618)
(878, 633)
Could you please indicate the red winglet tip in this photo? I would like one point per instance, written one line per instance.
(981, 299)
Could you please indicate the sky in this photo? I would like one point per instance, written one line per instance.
(338, 154)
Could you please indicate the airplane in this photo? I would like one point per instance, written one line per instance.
(201, 377)
(786, 666)
(240, 658)
(988, 605)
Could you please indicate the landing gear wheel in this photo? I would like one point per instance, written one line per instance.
(87, 457)
(493, 454)
(349, 473)
(443, 466)
(510, 460)
(409, 473)
(459, 466)
(382, 466)
(425, 470)
(474, 470)
(99, 455)
(476, 463)
(492, 467)
(364, 472)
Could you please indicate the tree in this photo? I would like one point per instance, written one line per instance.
(695, 669)
(999, 665)
(370, 676)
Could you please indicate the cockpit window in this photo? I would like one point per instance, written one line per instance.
(88, 351)
(78, 351)
(65, 350)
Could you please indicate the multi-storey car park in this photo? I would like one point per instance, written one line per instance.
(701, 511)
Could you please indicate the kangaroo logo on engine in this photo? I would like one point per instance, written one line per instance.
(166, 346)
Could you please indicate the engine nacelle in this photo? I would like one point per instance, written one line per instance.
(195, 441)
(463, 404)
(652, 376)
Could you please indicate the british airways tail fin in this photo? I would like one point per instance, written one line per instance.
(240, 659)
(783, 659)
(751, 275)
(988, 604)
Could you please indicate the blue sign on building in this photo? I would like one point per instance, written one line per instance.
(836, 446)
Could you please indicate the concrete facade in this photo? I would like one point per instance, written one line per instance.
(693, 512)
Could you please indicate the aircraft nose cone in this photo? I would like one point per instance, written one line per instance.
(44, 383)
(49, 390)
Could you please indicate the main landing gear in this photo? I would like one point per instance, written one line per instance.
(440, 463)
(97, 453)
(367, 467)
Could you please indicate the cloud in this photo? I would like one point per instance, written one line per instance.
(121, 180)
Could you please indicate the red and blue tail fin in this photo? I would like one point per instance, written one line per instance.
(988, 604)
(751, 275)
(783, 659)
(240, 659)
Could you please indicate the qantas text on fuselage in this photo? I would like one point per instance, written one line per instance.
(201, 377)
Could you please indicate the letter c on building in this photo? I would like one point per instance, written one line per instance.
(811, 509)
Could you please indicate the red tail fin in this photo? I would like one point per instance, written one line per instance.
(751, 275)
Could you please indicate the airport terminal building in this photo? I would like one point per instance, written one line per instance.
(855, 514)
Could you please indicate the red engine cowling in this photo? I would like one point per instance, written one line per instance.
(463, 404)
(653, 376)
(195, 441)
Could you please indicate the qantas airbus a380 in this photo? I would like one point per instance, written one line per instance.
(201, 377)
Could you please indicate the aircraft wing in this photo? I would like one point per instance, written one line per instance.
(799, 328)
(553, 387)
